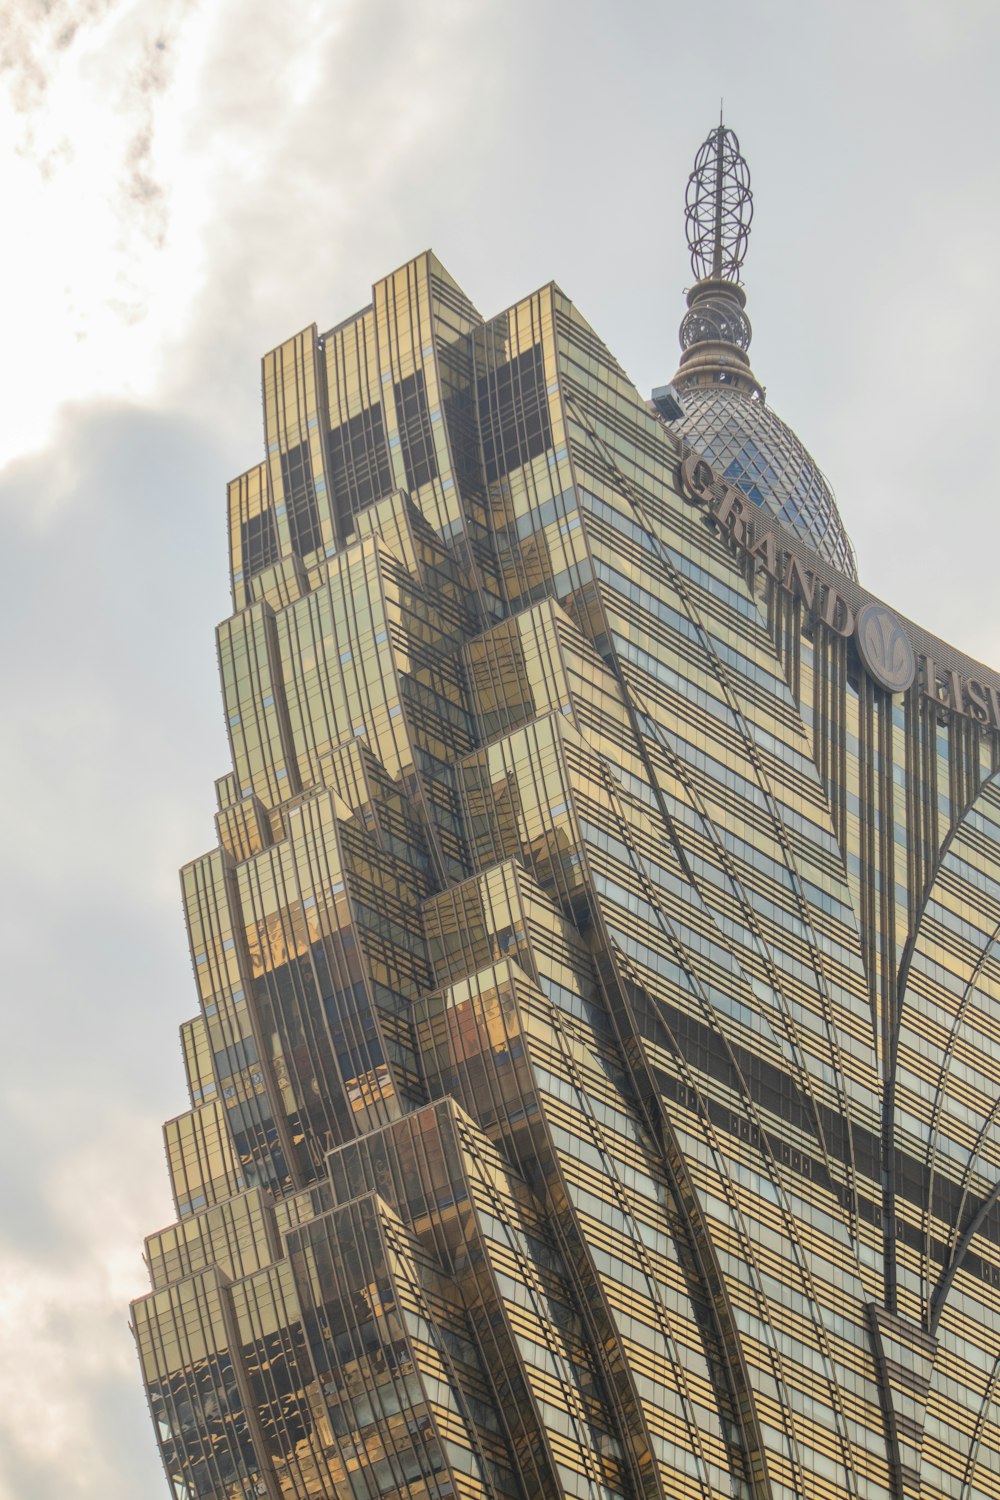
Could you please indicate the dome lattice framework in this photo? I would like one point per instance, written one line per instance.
(750, 444)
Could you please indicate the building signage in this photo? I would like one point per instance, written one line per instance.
(882, 644)
(884, 648)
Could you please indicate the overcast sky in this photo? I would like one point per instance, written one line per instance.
(185, 183)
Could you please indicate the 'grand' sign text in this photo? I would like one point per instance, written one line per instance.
(884, 649)
(735, 511)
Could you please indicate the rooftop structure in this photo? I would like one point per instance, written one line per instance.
(715, 401)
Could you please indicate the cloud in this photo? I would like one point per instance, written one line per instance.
(107, 656)
(144, 57)
(320, 132)
(108, 747)
(84, 89)
(72, 1415)
(34, 36)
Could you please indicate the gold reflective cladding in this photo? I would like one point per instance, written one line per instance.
(594, 1089)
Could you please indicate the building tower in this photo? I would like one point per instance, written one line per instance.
(594, 1085)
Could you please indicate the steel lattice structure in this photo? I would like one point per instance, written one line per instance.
(718, 208)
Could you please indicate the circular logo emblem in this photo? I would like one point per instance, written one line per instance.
(884, 648)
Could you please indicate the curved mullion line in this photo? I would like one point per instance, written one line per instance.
(504, 490)
(781, 837)
(617, 1406)
(508, 1374)
(903, 973)
(335, 1397)
(352, 1026)
(275, 1404)
(698, 1243)
(538, 1298)
(313, 1019)
(435, 847)
(255, 885)
(624, 1413)
(621, 1198)
(948, 1274)
(750, 747)
(965, 1004)
(971, 1462)
(408, 1272)
(382, 1417)
(742, 1232)
(763, 782)
(943, 1286)
(988, 1120)
(680, 769)
(215, 918)
(786, 1212)
(903, 980)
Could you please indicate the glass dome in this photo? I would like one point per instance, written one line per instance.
(745, 441)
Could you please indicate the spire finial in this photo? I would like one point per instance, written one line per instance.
(715, 333)
(719, 207)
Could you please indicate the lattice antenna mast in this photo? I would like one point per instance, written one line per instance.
(719, 208)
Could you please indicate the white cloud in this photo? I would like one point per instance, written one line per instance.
(107, 757)
(64, 1343)
(178, 161)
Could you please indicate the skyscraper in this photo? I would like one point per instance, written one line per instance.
(595, 1087)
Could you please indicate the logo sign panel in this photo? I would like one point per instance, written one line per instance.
(883, 647)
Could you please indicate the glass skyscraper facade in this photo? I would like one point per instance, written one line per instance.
(595, 1085)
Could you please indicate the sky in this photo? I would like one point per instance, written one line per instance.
(186, 183)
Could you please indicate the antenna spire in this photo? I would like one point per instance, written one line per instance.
(719, 207)
(718, 204)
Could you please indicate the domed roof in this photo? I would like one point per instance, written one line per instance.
(715, 401)
(750, 445)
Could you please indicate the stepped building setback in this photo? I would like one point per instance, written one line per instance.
(595, 1086)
